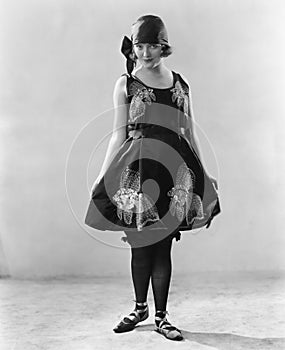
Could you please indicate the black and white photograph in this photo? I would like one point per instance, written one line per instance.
(141, 175)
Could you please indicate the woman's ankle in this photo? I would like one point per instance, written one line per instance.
(160, 313)
(159, 316)
(141, 305)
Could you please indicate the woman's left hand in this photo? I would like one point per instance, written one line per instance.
(214, 181)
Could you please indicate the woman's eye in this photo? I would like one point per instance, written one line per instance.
(155, 46)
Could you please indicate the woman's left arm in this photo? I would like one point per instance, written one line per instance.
(192, 134)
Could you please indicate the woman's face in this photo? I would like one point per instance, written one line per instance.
(149, 55)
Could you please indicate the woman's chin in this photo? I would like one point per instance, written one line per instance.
(147, 63)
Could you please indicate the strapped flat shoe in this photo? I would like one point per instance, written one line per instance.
(129, 322)
(164, 327)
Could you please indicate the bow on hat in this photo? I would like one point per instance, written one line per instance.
(126, 50)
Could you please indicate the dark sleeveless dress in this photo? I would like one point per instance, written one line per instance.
(155, 181)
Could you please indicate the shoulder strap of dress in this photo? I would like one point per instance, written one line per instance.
(182, 80)
(175, 74)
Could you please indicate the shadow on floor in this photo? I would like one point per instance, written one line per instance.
(226, 341)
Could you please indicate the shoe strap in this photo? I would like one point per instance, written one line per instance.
(134, 315)
(145, 304)
(158, 318)
(140, 304)
(164, 323)
(167, 326)
(141, 311)
(165, 312)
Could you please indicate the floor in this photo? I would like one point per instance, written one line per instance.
(214, 311)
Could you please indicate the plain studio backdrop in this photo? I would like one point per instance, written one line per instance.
(59, 63)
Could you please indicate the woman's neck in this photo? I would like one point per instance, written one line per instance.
(155, 72)
(158, 77)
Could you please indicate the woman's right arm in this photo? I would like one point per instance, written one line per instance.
(119, 125)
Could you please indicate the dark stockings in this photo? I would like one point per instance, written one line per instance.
(152, 261)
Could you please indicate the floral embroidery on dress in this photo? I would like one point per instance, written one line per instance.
(181, 97)
(184, 202)
(135, 134)
(141, 96)
(129, 200)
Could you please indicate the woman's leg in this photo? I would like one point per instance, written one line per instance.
(161, 276)
(141, 263)
(161, 272)
(141, 266)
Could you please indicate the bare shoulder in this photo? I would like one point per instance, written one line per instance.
(121, 81)
(120, 89)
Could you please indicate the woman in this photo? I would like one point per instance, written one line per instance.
(152, 184)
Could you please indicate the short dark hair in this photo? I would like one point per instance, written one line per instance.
(166, 51)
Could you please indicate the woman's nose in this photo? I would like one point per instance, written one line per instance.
(146, 52)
